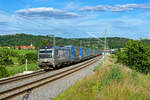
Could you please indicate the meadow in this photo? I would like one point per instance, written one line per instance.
(111, 81)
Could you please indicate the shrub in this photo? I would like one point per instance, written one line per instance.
(22, 59)
(136, 54)
(31, 57)
(5, 58)
(3, 72)
(113, 56)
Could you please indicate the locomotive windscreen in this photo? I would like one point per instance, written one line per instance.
(45, 53)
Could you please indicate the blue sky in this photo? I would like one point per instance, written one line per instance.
(76, 18)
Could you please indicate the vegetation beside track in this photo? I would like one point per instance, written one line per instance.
(13, 61)
(136, 55)
(112, 81)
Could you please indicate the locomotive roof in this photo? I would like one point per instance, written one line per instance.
(48, 47)
(71, 46)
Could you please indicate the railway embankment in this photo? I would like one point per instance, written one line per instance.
(111, 81)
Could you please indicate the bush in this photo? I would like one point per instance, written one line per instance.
(136, 54)
(5, 58)
(9, 52)
(121, 56)
(31, 57)
(22, 59)
(3, 72)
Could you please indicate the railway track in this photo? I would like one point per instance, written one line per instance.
(16, 78)
(16, 91)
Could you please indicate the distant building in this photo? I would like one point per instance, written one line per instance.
(22, 47)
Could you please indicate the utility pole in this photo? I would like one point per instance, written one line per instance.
(80, 43)
(26, 65)
(54, 41)
(107, 45)
(105, 42)
(89, 43)
(53, 36)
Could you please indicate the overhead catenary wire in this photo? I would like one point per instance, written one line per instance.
(9, 12)
(35, 22)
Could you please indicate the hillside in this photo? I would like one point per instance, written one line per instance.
(26, 39)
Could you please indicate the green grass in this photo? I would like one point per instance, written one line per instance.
(111, 81)
(12, 70)
(96, 68)
(22, 52)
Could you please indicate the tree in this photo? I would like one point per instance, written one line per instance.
(5, 57)
(31, 57)
(136, 55)
(44, 43)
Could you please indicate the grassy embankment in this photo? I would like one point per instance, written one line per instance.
(17, 68)
(111, 81)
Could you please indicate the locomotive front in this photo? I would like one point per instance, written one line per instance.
(45, 57)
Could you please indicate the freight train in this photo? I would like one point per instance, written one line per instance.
(55, 57)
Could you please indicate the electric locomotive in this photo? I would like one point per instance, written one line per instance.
(53, 57)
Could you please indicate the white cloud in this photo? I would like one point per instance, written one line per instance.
(96, 8)
(119, 9)
(116, 8)
(45, 12)
(140, 6)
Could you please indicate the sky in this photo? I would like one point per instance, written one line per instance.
(76, 18)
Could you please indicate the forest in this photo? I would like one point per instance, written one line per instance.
(26, 39)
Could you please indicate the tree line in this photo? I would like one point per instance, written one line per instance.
(26, 39)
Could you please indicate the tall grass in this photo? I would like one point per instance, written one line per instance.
(111, 82)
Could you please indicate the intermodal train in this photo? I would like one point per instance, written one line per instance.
(55, 57)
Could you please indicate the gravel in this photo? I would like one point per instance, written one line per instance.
(53, 89)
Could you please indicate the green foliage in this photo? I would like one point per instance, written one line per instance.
(134, 74)
(113, 56)
(21, 68)
(114, 74)
(44, 42)
(26, 39)
(121, 56)
(5, 57)
(136, 55)
(31, 57)
(23, 52)
(3, 72)
(9, 58)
